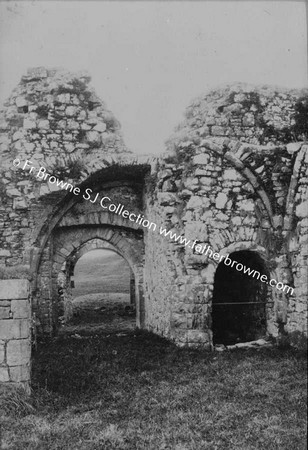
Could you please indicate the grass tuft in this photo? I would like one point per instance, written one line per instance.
(15, 402)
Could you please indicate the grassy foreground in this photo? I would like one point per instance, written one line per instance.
(137, 391)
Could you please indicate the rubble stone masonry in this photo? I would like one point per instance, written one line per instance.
(233, 176)
(15, 332)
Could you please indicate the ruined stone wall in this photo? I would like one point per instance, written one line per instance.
(55, 120)
(233, 176)
(248, 113)
(231, 179)
(297, 235)
(15, 333)
(159, 279)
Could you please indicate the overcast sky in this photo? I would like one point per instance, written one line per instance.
(148, 60)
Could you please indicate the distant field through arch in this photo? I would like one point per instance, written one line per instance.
(102, 271)
(101, 286)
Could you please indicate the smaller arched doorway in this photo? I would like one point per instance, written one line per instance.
(239, 299)
(101, 283)
(96, 284)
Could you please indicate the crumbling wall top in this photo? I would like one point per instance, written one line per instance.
(55, 119)
(259, 115)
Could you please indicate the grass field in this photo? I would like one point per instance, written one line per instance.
(101, 385)
(137, 391)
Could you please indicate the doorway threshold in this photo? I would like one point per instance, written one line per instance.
(251, 344)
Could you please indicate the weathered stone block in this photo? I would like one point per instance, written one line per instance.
(197, 337)
(4, 374)
(20, 203)
(201, 159)
(18, 352)
(13, 193)
(72, 125)
(71, 111)
(4, 303)
(85, 127)
(237, 221)
(195, 202)
(231, 174)
(4, 312)
(221, 200)
(302, 209)
(14, 289)
(20, 102)
(14, 329)
(69, 147)
(2, 351)
(208, 181)
(93, 137)
(20, 309)
(43, 124)
(208, 274)
(20, 373)
(29, 124)
(247, 205)
(29, 146)
(101, 127)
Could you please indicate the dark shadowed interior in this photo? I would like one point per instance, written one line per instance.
(239, 299)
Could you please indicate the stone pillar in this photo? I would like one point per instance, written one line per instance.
(15, 333)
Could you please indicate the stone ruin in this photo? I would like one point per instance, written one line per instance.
(233, 177)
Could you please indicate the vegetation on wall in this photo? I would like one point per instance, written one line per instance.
(42, 111)
(300, 128)
(151, 181)
(76, 86)
(73, 169)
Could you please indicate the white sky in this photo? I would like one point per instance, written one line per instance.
(149, 59)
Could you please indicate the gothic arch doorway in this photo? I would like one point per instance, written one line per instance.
(123, 270)
(94, 287)
(239, 299)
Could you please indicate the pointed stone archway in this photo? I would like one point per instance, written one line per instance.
(66, 281)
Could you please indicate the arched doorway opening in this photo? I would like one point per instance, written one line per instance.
(97, 288)
(101, 286)
(239, 299)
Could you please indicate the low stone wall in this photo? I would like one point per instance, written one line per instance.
(15, 333)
